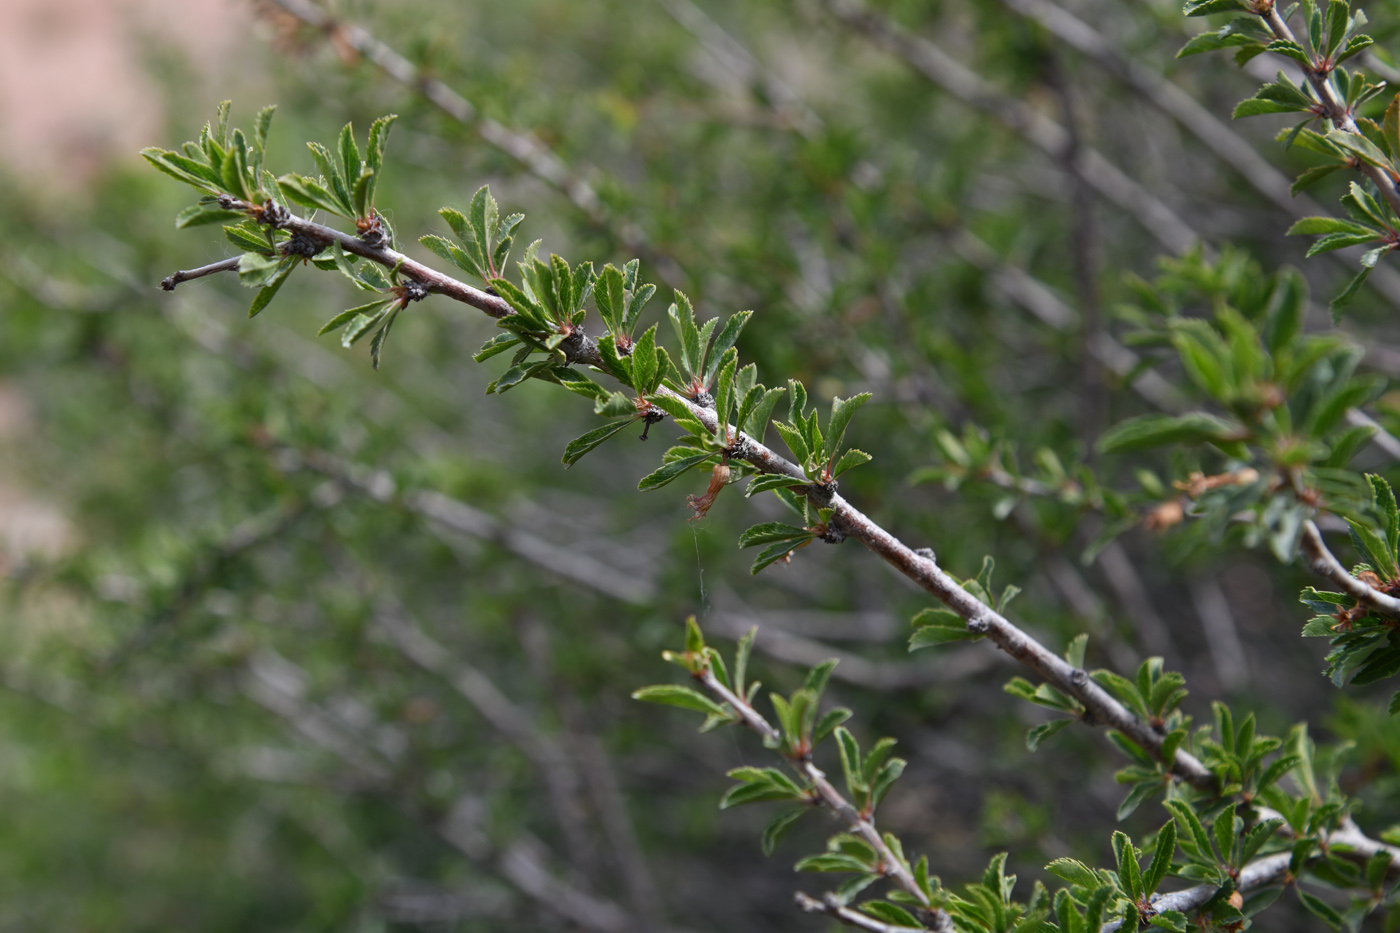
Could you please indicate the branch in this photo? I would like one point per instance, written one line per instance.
(1336, 110)
(1101, 708)
(844, 810)
(1322, 562)
(223, 265)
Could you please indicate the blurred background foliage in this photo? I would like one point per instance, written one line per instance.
(291, 644)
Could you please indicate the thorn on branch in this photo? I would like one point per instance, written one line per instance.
(651, 417)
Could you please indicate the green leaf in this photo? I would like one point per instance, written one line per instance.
(829, 721)
(1319, 225)
(1128, 872)
(769, 532)
(646, 375)
(198, 215)
(683, 320)
(1173, 920)
(497, 344)
(939, 627)
(774, 553)
(678, 695)
(1375, 548)
(1140, 794)
(587, 442)
(1320, 908)
(1075, 872)
(335, 179)
(1254, 107)
(1043, 732)
(381, 336)
(246, 240)
(796, 443)
(851, 458)
(611, 300)
(723, 343)
(1335, 241)
(757, 421)
(671, 471)
(374, 152)
(1312, 176)
(724, 395)
(257, 269)
(192, 173)
(1207, 7)
(310, 193)
(345, 317)
(888, 913)
(1147, 431)
(269, 291)
(1191, 835)
(1354, 286)
(679, 411)
(759, 784)
(362, 324)
(1290, 49)
(842, 411)
(1160, 865)
(778, 827)
(832, 862)
(767, 481)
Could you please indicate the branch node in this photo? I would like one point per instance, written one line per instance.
(273, 214)
(373, 234)
(414, 290)
(302, 245)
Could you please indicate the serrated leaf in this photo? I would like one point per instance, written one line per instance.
(669, 472)
(345, 317)
(581, 445)
(778, 827)
(265, 295)
(723, 343)
(199, 215)
(849, 459)
(1075, 872)
(248, 241)
(767, 481)
(682, 696)
(769, 532)
(310, 193)
(1155, 430)
(1045, 731)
